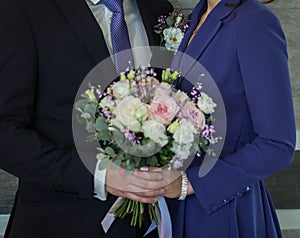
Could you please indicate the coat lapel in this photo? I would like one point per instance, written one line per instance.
(150, 10)
(208, 30)
(214, 22)
(83, 23)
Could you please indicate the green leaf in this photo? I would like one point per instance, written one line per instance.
(104, 136)
(80, 104)
(90, 127)
(103, 164)
(169, 21)
(110, 151)
(90, 108)
(86, 116)
(101, 124)
(91, 138)
(80, 119)
(102, 156)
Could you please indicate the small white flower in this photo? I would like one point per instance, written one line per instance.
(206, 103)
(181, 151)
(185, 133)
(106, 102)
(163, 89)
(121, 89)
(181, 97)
(156, 132)
(173, 37)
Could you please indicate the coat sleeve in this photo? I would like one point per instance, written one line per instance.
(262, 58)
(25, 153)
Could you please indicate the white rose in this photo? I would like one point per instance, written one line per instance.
(163, 89)
(126, 110)
(185, 133)
(173, 38)
(121, 89)
(156, 132)
(206, 104)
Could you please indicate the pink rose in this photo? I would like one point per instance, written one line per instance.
(193, 114)
(163, 109)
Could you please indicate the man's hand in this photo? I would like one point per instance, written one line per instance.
(141, 186)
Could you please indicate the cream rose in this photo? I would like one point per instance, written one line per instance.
(126, 111)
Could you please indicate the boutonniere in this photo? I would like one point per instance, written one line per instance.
(172, 29)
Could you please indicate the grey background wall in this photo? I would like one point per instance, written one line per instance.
(288, 12)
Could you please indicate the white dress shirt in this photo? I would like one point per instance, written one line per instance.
(137, 37)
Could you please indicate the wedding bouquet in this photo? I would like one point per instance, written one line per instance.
(140, 121)
(172, 29)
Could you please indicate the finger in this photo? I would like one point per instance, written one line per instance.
(150, 175)
(147, 184)
(152, 193)
(138, 198)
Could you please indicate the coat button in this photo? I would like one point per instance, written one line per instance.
(214, 207)
(247, 189)
(225, 201)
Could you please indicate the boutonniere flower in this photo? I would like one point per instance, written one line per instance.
(172, 29)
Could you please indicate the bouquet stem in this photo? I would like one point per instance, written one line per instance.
(136, 209)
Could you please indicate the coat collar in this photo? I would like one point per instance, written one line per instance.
(208, 30)
(214, 22)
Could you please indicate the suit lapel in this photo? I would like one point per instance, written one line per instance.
(83, 23)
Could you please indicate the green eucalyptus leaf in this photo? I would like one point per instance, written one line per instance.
(101, 124)
(102, 156)
(103, 164)
(90, 127)
(91, 138)
(80, 119)
(79, 105)
(104, 136)
(90, 108)
(110, 151)
(86, 116)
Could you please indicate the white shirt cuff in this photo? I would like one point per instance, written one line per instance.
(99, 183)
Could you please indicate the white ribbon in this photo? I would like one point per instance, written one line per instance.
(163, 215)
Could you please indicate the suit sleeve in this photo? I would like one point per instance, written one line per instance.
(25, 153)
(262, 58)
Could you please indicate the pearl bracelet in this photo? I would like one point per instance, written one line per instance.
(184, 186)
